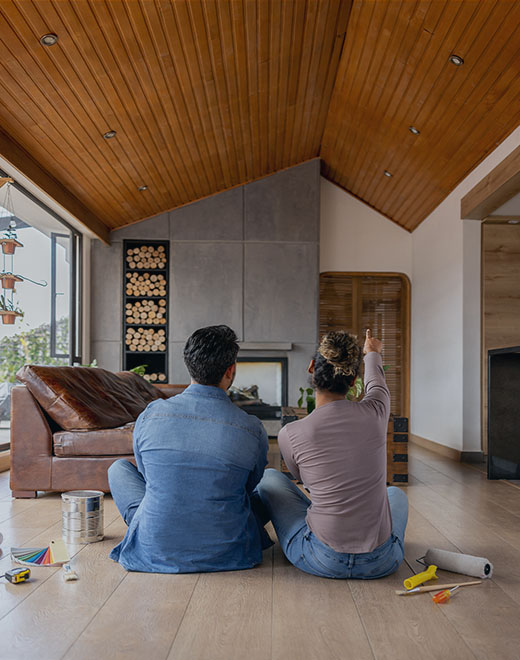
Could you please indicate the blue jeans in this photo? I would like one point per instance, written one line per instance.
(287, 507)
(128, 487)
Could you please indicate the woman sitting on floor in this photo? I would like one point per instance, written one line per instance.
(354, 527)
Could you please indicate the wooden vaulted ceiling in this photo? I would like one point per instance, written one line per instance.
(209, 94)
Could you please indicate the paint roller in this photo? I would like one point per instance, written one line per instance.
(458, 563)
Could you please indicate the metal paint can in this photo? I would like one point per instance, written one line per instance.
(82, 516)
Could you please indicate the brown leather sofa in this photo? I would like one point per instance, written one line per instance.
(69, 424)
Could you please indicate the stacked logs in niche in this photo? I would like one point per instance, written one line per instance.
(146, 257)
(145, 285)
(145, 340)
(155, 377)
(146, 312)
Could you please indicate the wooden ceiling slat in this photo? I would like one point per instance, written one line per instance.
(209, 94)
(50, 114)
(169, 90)
(94, 62)
(463, 129)
(83, 104)
(367, 70)
(275, 110)
(250, 21)
(146, 26)
(312, 21)
(182, 91)
(439, 84)
(315, 128)
(283, 84)
(214, 85)
(412, 43)
(392, 84)
(127, 49)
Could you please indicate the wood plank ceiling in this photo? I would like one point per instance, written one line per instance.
(206, 95)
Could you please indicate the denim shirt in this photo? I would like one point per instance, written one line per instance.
(201, 457)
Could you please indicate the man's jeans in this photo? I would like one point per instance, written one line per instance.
(128, 487)
(287, 507)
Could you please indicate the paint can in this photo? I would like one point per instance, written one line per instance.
(82, 516)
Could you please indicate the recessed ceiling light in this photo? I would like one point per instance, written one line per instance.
(414, 130)
(513, 222)
(49, 39)
(456, 59)
(142, 188)
(388, 174)
(109, 134)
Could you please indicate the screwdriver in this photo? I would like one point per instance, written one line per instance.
(444, 596)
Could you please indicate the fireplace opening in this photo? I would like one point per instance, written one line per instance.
(504, 413)
(260, 388)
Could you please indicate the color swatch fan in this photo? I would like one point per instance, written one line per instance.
(55, 554)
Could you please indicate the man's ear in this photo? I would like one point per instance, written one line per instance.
(231, 371)
(310, 370)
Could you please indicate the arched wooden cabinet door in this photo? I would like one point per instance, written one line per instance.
(381, 302)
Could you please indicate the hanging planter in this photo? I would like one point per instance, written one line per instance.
(9, 245)
(9, 280)
(8, 316)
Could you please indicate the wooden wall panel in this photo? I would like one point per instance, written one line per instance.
(500, 296)
(381, 302)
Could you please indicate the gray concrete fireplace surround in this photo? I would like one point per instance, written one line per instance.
(247, 257)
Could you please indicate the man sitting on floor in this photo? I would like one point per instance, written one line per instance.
(189, 503)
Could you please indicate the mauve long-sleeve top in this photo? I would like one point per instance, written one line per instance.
(339, 453)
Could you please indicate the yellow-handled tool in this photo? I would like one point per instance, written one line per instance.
(416, 580)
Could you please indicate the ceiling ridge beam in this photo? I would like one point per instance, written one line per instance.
(27, 165)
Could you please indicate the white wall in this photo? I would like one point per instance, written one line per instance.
(354, 237)
(445, 401)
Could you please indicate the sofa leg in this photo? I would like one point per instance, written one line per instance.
(24, 493)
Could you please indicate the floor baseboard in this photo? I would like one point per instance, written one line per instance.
(448, 452)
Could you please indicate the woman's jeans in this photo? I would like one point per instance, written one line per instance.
(287, 507)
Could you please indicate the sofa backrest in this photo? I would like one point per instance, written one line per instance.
(82, 398)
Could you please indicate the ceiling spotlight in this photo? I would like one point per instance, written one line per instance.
(109, 134)
(513, 222)
(142, 188)
(414, 130)
(49, 39)
(456, 59)
(388, 174)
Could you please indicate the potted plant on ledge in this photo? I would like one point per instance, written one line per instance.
(8, 311)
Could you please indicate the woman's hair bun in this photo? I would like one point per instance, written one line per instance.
(342, 351)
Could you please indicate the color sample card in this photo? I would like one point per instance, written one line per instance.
(55, 554)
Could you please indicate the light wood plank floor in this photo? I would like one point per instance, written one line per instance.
(274, 611)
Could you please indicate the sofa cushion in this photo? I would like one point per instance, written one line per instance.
(105, 442)
(85, 398)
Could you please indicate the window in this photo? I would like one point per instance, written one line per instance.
(48, 295)
(381, 302)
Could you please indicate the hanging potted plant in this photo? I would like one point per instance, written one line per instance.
(8, 311)
(9, 245)
(9, 280)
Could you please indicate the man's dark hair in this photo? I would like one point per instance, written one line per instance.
(209, 352)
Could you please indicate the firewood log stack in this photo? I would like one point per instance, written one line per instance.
(146, 312)
(147, 284)
(146, 257)
(145, 340)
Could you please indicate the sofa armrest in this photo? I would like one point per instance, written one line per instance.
(168, 390)
(31, 443)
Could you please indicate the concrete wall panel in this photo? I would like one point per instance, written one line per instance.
(206, 287)
(216, 218)
(284, 206)
(281, 292)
